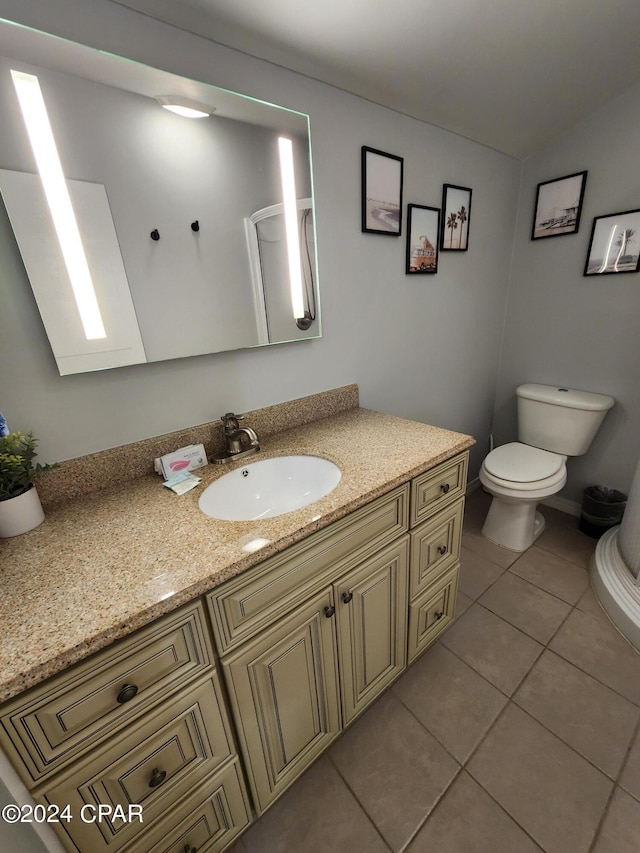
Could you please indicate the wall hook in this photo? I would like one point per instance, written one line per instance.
(155, 234)
(195, 226)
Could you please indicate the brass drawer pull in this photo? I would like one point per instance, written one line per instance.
(442, 549)
(157, 778)
(189, 849)
(127, 693)
(445, 488)
(347, 596)
(438, 615)
(329, 611)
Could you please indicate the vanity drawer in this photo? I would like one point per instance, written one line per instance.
(435, 546)
(222, 813)
(438, 488)
(432, 612)
(53, 723)
(248, 603)
(152, 764)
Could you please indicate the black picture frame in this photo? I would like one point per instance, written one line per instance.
(456, 211)
(558, 206)
(382, 183)
(611, 235)
(423, 231)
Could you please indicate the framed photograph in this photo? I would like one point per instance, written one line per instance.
(614, 246)
(423, 229)
(558, 206)
(381, 192)
(456, 213)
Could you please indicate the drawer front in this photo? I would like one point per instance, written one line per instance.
(432, 612)
(247, 604)
(154, 763)
(221, 814)
(54, 722)
(438, 488)
(435, 547)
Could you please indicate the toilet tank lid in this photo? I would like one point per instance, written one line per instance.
(521, 463)
(588, 401)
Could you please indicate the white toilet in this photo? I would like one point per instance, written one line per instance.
(553, 423)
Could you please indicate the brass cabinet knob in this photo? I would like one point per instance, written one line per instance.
(157, 778)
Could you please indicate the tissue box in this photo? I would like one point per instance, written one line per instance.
(186, 459)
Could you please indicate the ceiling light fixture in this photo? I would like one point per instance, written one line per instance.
(184, 106)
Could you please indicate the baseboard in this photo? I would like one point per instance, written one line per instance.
(564, 505)
(473, 485)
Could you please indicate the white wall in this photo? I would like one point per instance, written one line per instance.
(424, 347)
(562, 328)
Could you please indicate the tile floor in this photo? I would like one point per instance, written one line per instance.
(517, 731)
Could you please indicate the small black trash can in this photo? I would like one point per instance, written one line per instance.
(602, 509)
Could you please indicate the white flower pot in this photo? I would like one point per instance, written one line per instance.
(19, 514)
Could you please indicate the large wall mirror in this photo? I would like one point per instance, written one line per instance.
(147, 235)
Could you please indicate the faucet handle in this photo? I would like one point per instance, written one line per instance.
(230, 420)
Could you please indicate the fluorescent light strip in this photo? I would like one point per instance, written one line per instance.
(45, 152)
(285, 148)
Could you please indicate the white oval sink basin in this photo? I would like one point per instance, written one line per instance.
(269, 487)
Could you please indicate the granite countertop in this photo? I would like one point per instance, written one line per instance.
(107, 563)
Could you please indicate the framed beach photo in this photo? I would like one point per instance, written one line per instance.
(614, 246)
(558, 206)
(456, 214)
(423, 229)
(381, 192)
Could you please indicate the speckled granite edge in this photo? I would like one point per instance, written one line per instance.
(97, 471)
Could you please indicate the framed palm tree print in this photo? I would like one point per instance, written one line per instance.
(456, 214)
(615, 244)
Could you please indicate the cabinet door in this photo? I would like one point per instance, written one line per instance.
(371, 603)
(283, 689)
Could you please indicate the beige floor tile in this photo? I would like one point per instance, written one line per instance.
(477, 573)
(463, 603)
(495, 649)
(570, 544)
(546, 787)
(621, 828)
(592, 719)
(596, 647)
(456, 704)
(630, 779)
(526, 606)
(554, 574)
(588, 603)
(467, 820)
(556, 518)
(395, 768)
(319, 814)
(500, 556)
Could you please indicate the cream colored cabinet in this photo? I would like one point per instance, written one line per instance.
(294, 686)
(143, 723)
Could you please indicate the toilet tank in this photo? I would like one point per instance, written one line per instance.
(559, 419)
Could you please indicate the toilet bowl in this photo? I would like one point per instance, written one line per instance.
(519, 477)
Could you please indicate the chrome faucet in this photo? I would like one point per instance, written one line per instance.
(235, 439)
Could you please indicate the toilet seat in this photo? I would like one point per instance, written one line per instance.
(520, 463)
(517, 468)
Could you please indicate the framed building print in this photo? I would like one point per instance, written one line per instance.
(423, 229)
(558, 206)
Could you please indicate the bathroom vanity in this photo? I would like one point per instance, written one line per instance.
(198, 667)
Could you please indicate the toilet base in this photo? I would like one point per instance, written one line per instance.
(515, 526)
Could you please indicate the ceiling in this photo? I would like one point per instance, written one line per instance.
(510, 74)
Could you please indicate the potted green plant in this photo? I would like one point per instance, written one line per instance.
(20, 507)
